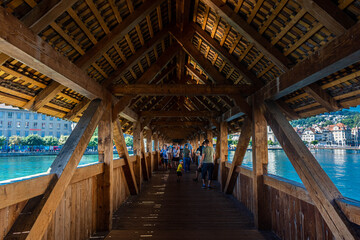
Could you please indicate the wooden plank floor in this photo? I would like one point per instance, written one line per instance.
(166, 209)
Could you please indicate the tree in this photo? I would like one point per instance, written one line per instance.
(270, 142)
(129, 141)
(63, 139)
(2, 140)
(315, 142)
(15, 141)
(93, 142)
(33, 140)
(50, 141)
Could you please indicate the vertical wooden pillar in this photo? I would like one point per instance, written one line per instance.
(209, 135)
(223, 153)
(149, 151)
(137, 138)
(104, 181)
(217, 158)
(260, 161)
(196, 140)
(201, 138)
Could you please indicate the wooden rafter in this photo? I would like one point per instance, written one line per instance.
(177, 114)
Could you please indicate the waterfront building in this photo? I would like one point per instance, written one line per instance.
(355, 136)
(310, 134)
(341, 134)
(18, 122)
(271, 136)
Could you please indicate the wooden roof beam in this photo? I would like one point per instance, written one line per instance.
(322, 97)
(330, 15)
(176, 89)
(246, 30)
(117, 34)
(177, 114)
(196, 73)
(39, 55)
(335, 56)
(179, 123)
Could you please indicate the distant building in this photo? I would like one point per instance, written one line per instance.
(355, 136)
(271, 136)
(17, 122)
(341, 134)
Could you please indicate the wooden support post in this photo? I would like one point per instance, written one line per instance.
(262, 218)
(149, 151)
(239, 155)
(321, 189)
(137, 136)
(104, 208)
(32, 225)
(120, 144)
(223, 153)
(217, 157)
(144, 163)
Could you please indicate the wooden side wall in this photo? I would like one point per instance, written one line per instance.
(75, 217)
(293, 215)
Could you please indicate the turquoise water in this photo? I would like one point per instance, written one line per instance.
(342, 166)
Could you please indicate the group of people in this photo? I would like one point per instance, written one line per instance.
(180, 158)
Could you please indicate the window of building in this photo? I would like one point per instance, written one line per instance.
(9, 124)
(1, 123)
(58, 126)
(1, 133)
(9, 133)
(58, 134)
(65, 126)
(42, 134)
(51, 118)
(58, 119)
(43, 125)
(26, 133)
(27, 124)
(50, 133)
(18, 133)
(27, 116)
(43, 117)
(18, 115)
(1, 114)
(35, 124)
(10, 114)
(50, 125)
(35, 132)
(18, 124)
(35, 116)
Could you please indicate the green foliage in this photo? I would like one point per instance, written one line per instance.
(305, 142)
(93, 141)
(63, 139)
(2, 140)
(129, 141)
(327, 123)
(50, 141)
(16, 141)
(33, 140)
(270, 142)
(315, 142)
(250, 143)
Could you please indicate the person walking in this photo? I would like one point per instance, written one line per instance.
(179, 171)
(207, 164)
(164, 157)
(198, 156)
(187, 157)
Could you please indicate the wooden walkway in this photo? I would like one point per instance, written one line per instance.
(166, 209)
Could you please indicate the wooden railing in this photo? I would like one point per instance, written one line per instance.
(76, 214)
(293, 214)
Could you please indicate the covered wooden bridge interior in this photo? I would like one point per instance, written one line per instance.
(170, 70)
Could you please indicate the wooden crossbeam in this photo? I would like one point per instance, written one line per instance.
(329, 14)
(148, 76)
(44, 97)
(179, 123)
(177, 114)
(176, 89)
(245, 135)
(246, 30)
(120, 144)
(33, 225)
(322, 97)
(39, 55)
(196, 73)
(336, 55)
(321, 189)
(117, 34)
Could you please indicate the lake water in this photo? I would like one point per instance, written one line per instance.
(342, 166)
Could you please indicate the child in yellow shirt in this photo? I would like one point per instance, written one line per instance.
(179, 170)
